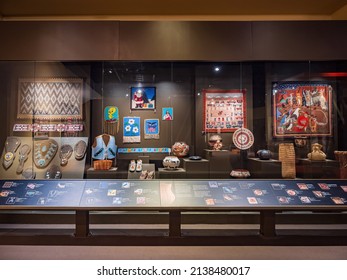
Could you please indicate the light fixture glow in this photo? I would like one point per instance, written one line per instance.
(216, 69)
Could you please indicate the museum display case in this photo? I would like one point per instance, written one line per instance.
(104, 120)
(140, 141)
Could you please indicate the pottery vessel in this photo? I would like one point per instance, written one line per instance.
(171, 162)
(180, 149)
(264, 154)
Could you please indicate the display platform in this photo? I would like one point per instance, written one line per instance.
(267, 197)
(318, 169)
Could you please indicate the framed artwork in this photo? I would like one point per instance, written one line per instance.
(167, 114)
(301, 109)
(143, 98)
(151, 128)
(224, 110)
(131, 130)
(50, 98)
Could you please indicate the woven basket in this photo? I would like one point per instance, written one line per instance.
(104, 164)
(286, 154)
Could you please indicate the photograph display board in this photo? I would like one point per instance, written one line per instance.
(302, 109)
(224, 110)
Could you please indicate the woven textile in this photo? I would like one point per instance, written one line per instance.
(50, 98)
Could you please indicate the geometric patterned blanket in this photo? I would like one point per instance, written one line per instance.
(52, 98)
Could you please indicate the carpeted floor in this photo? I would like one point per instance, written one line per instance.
(173, 253)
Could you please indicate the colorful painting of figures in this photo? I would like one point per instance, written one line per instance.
(167, 114)
(151, 128)
(143, 98)
(302, 109)
(224, 110)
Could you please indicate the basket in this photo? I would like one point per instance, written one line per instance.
(103, 164)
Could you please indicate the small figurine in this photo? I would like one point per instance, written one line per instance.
(217, 146)
(317, 153)
(215, 142)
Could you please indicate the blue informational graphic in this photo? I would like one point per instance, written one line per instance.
(178, 193)
(248, 193)
(41, 193)
(121, 193)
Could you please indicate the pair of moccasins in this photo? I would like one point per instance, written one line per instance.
(135, 165)
(146, 175)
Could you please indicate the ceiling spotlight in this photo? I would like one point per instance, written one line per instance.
(198, 93)
(217, 69)
(110, 71)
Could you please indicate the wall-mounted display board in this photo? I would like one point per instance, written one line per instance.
(224, 110)
(168, 193)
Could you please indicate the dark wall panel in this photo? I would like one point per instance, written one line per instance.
(59, 41)
(228, 41)
(321, 40)
(173, 41)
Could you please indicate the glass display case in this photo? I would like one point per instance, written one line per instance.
(176, 120)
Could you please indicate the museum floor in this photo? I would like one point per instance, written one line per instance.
(175, 253)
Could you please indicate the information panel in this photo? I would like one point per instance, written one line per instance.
(180, 193)
(41, 193)
(252, 193)
(121, 193)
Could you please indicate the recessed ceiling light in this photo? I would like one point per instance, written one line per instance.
(217, 69)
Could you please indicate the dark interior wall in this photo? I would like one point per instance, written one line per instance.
(59, 41)
(171, 91)
(203, 41)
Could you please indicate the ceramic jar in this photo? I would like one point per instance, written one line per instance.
(171, 162)
(264, 154)
(180, 149)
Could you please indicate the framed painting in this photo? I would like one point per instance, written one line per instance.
(224, 110)
(143, 98)
(151, 128)
(131, 130)
(167, 114)
(301, 109)
(50, 98)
